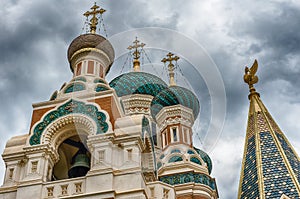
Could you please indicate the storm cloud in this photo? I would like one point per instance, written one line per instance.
(34, 37)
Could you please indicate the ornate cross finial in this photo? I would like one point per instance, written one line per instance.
(94, 19)
(170, 57)
(136, 54)
(250, 78)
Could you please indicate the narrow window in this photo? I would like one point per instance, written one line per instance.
(168, 137)
(188, 137)
(101, 71)
(90, 67)
(78, 68)
(174, 135)
(154, 134)
(163, 139)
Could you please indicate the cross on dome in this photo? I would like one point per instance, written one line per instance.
(171, 57)
(94, 20)
(136, 54)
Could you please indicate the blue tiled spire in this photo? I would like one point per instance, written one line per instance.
(270, 166)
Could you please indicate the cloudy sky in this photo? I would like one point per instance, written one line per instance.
(34, 37)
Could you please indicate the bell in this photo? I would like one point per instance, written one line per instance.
(80, 167)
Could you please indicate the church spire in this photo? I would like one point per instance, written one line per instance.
(136, 54)
(170, 57)
(94, 19)
(270, 166)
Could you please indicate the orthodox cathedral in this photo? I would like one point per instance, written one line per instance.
(131, 138)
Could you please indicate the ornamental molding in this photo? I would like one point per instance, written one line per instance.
(137, 104)
(175, 114)
(137, 110)
(189, 177)
(45, 150)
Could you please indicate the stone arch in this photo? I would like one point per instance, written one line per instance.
(66, 127)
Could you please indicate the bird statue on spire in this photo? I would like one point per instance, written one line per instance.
(250, 78)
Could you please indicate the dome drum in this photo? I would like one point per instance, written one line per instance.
(93, 47)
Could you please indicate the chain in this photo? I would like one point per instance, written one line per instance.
(103, 25)
(142, 56)
(150, 62)
(127, 58)
(187, 84)
(85, 26)
(197, 134)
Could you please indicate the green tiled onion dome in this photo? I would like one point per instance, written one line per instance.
(175, 95)
(137, 83)
(205, 158)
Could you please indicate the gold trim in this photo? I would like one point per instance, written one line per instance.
(244, 156)
(258, 153)
(89, 49)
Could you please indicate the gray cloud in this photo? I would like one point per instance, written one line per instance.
(34, 37)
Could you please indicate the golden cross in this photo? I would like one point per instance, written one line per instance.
(136, 53)
(170, 57)
(94, 20)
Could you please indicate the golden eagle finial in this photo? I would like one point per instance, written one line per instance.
(250, 78)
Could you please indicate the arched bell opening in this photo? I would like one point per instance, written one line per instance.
(74, 158)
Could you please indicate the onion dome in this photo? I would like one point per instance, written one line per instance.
(137, 83)
(175, 95)
(91, 44)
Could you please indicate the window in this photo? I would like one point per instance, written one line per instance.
(186, 136)
(78, 68)
(164, 139)
(154, 136)
(101, 71)
(174, 134)
(90, 67)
